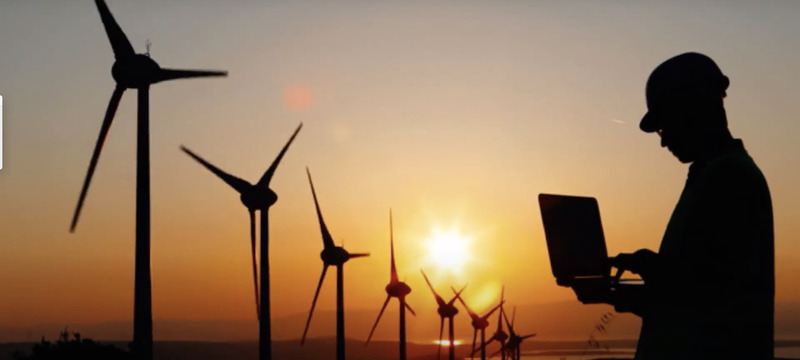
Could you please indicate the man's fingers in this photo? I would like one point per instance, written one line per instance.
(622, 261)
(629, 262)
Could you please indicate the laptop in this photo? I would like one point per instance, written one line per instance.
(575, 240)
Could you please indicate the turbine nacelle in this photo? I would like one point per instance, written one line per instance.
(500, 336)
(335, 256)
(398, 289)
(258, 198)
(479, 323)
(135, 71)
(447, 311)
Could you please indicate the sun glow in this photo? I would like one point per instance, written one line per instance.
(449, 250)
(447, 342)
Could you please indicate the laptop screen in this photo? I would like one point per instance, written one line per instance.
(574, 235)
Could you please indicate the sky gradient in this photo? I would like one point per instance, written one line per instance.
(455, 114)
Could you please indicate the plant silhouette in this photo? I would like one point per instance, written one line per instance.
(66, 348)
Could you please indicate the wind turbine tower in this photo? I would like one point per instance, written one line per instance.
(135, 71)
(446, 310)
(256, 197)
(396, 289)
(331, 255)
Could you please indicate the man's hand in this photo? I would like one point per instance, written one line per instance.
(642, 262)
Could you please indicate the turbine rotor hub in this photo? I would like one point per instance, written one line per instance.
(398, 289)
(259, 199)
(135, 71)
(447, 311)
(336, 256)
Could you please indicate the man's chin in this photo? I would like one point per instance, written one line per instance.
(683, 158)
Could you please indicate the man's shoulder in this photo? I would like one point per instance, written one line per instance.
(735, 169)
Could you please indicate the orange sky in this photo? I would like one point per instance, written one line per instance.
(454, 115)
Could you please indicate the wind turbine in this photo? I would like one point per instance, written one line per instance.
(398, 289)
(514, 339)
(331, 255)
(445, 310)
(135, 71)
(256, 197)
(499, 335)
(479, 323)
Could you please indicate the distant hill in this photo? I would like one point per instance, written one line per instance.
(324, 348)
(568, 320)
(320, 348)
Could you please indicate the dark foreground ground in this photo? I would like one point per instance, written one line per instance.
(324, 348)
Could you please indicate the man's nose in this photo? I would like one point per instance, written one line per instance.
(663, 140)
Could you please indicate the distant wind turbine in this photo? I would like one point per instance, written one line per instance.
(399, 290)
(445, 310)
(479, 323)
(514, 340)
(331, 255)
(499, 335)
(256, 197)
(135, 71)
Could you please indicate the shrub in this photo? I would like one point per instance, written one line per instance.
(74, 348)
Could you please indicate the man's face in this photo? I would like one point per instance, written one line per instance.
(678, 119)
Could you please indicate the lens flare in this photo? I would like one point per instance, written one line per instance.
(298, 97)
(449, 250)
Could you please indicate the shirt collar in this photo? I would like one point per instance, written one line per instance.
(730, 147)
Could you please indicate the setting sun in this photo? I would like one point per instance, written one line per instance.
(449, 250)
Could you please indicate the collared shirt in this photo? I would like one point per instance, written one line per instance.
(712, 295)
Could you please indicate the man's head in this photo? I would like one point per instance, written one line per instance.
(684, 102)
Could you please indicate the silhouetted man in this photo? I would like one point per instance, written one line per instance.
(709, 291)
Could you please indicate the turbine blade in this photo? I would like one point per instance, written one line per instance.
(508, 325)
(482, 347)
(110, 111)
(119, 42)
(265, 179)
(439, 299)
(173, 74)
(528, 336)
(255, 265)
(469, 311)
(378, 319)
(500, 320)
(458, 294)
(492, 311)
(500, 314)
(234, 182)
(495, 354)
(513, 315)
(313, 303)
(441, 330)
(391, 246)
(357, 255)
(410, 309)
(490, 341)
(327, 240)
